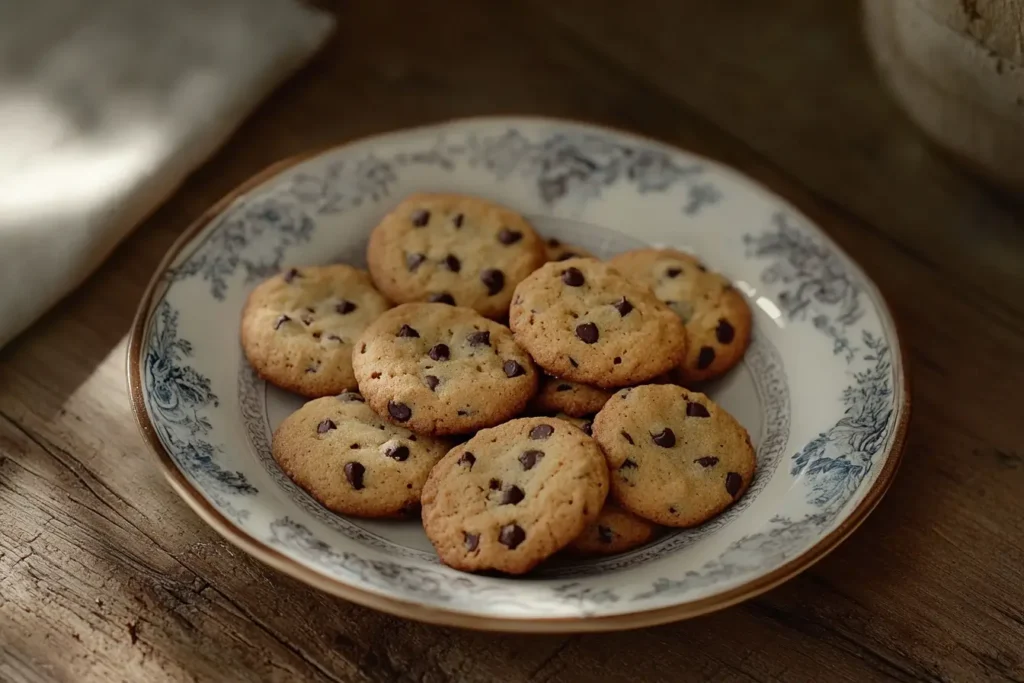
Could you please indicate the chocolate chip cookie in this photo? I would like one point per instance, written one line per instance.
(717, 317)
(676, 457)
(299, 328)
(440, 369)
(453, 249)
(614, 531)
(560, 251)
(584, 321)
(514, 495)
(563, 396)
(352, 461)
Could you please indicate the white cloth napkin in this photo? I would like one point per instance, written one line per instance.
(106, 106)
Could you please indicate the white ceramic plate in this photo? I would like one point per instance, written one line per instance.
(822, 389)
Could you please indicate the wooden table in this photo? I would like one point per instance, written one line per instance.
(105, 575)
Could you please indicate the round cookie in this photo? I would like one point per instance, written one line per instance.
(453, 249)
(676, 458)
(440, 369)
(717, 317)
(513, 495)
(563, 396)
(614, 531)
(299, 328)
(353, 462)
(560, 251)
(584, 321)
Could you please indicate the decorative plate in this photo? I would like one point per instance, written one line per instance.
(822, 389)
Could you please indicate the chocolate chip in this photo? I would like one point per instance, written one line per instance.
(627, 437)
(291, 275)
(419, 217)
(512, 495)
(325, 426)
(588, 428)
(353, 446)
(354, 473)
(495, 484)
(407, 331)
(541, 431)
(623, 306)
(461, 413)
(563, 387)
(707, 461)
(587, 332)
(350, 396)
(616, 360)
(414, 260)
(511, 536)
(457, 220)
(666, 438)
(467, 458)
(317, 335)
(452, 263)
(439, 352)
(573, 277)
(672, 510)
(696, 410)
(566, 256)
(412, 437)
(513, 369)
(399, 453)
(604, 534)
(552, 242)
(673, 272)
(399, 411)
(281, 321)
(572, 362)
(530, 458)
(506, 236)
(345, 307)
(479, 338)
(471, 540)
(724, 332)
(442, 298)
(628, 464)
(733, 482)
(362, 349)
(493, 279)
(431, 381)
(705, 357)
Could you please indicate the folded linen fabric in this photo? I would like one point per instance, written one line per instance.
(106, 106)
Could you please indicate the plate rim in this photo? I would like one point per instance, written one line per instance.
(445, 617)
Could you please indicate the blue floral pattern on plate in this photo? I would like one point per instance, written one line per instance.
(814, 302)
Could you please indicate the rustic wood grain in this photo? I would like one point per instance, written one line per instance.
(105, 575)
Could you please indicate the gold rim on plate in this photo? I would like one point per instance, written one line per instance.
(443, 617)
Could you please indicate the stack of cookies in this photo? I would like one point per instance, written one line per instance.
(574, 429)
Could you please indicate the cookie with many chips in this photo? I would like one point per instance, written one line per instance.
(676, 457)
(514, 495)
(440, 369)
(352, 461)
(299, 327)
(584, 321)
(717, 317)
(454, 249)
